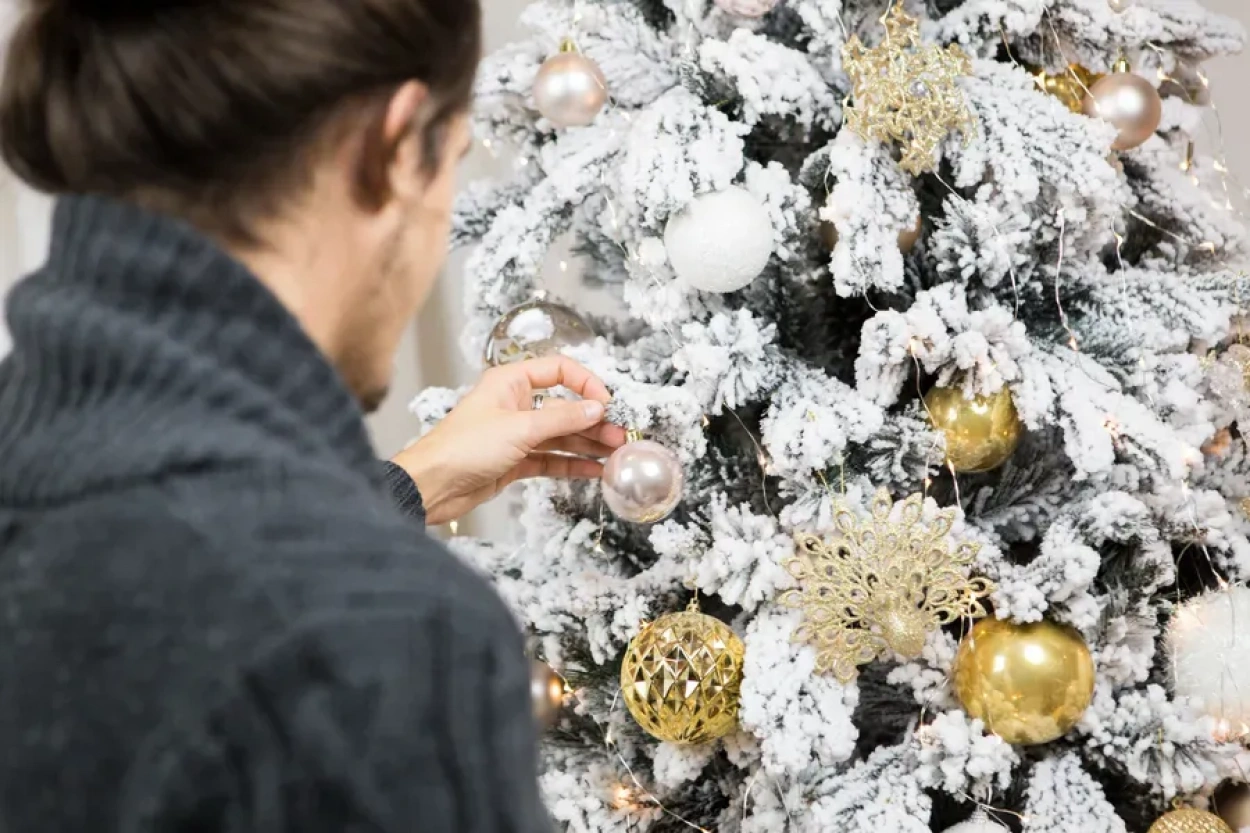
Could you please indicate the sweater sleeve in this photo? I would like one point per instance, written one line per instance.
(403, 492)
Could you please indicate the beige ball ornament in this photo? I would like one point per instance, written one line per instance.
(1127, 101)
(570, 89)
(1232, 803)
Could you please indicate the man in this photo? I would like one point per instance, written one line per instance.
(214, 616)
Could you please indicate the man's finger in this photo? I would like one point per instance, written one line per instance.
(560, 418)
(558, 468)
(605, 433)
(561, 371)
(577, 444)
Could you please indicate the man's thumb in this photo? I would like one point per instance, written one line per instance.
(561, 418)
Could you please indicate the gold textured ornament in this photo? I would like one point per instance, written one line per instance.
(1029, 683)
(905, 91)
(1187, 820)
(681, 676)
(981, 432)
(882, 585)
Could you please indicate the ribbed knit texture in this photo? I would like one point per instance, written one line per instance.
(212, 617)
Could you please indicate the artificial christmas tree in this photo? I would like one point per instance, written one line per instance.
(1090, 291)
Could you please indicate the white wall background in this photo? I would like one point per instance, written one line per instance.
(431, 355)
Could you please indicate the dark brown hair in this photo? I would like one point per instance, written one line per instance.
(214, 109)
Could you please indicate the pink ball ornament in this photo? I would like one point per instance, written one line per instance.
(747, 8)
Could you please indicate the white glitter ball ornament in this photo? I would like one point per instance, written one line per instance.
(979, 823)
(721, 242)
(1209, 644)
(747, 8)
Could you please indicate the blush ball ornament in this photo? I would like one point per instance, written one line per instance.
(1232, 802)
(1210, 657)
(747, 8)
(1127, 101)
(643, 481)
(721, 242)
(570, 90)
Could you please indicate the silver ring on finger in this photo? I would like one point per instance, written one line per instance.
(538, 401)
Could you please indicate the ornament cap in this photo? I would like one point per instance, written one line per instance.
(633, 435)
(568, 46)
(1121, 64)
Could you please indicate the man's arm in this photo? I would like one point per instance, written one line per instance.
(404, 492)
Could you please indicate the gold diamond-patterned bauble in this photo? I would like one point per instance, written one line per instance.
(533, 330)
(1187, 820)
(681, 676)
(981, 432)
(1069, 86)
(904, 91)
(881, 585)
(1029, 683)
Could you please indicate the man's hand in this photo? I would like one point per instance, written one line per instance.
(494, 437)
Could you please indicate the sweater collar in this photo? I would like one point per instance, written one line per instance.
(142, 348)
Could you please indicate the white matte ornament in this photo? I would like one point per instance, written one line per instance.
(979, 823)
(1209, 645)
(721, 242)
(570, 89)
(747, 8)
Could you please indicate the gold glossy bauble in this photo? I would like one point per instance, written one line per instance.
(1029, 683)
(1232, 802)
(981, 433)
(907, 239)
(1130, 103)
(546, 693)
(1069, 86)
(681, 676)
(1187, 820)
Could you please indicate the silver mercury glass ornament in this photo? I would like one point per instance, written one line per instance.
(643, 481)
(1127, 101)
(533, 330)
(570, 89)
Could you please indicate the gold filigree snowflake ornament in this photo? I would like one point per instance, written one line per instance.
(905, 91)
(882, 585)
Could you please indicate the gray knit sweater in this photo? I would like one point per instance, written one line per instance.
(212, 616)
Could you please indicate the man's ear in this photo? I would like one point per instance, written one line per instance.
(387, 155)
(400, 134)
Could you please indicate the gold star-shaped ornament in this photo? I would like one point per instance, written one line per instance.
(905, 91)
(882, 585)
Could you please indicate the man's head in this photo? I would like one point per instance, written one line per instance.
(317, 140)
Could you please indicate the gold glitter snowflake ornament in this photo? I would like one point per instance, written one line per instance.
(905, 91)
(882, 586)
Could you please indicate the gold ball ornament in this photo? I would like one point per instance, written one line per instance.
(1030, 683)
(1069, 85)
(1129, 102)
(546, 693)
(1232, 802)
(681, 677)
(981, 433)
(1186, 820)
